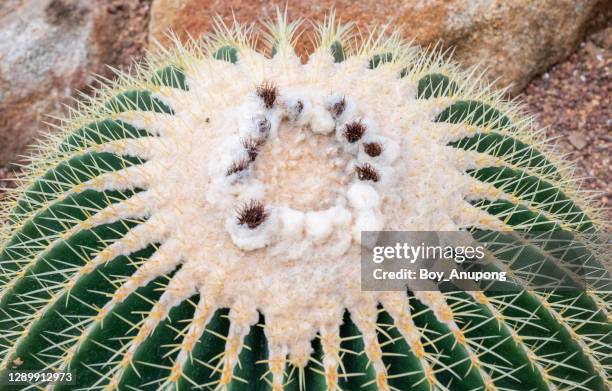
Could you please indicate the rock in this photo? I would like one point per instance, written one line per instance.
(514, 39)
(578, 140)
(604, 38)
(49, 49)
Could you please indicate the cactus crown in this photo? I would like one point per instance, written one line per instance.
(197, 225)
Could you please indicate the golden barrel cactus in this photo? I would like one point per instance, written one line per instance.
(197, 226)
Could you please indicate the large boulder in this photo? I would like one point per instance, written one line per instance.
(49, 50)
(514, 39)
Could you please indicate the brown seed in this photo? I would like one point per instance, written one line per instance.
(367, 173)
(252, 214)
(354, 131)
(338, 108)
(267, 92)
(372, 149)
(238, 166)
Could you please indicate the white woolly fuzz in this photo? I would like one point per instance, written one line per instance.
(363, 196)
(367, 220)
(322, 121)
(292, 222)
(390, 150)
(298, 107)
(318, 226)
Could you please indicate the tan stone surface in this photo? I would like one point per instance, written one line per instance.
(514, 39)
(48, 50)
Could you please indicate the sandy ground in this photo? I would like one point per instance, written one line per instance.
(572, 100)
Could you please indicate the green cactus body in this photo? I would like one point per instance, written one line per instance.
(197, 225)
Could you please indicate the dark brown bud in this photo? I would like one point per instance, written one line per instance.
(238, 166)
(267, 92)
(252, 146)
(252, 214)
(372, 149)
(366, 172)
(354, 131)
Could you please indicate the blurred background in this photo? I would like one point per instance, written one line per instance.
(556, 56)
